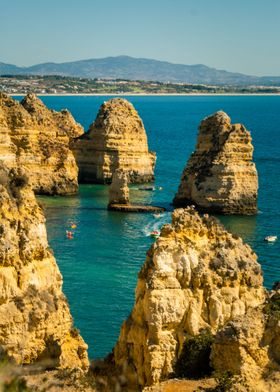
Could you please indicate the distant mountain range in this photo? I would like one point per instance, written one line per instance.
(125, 67)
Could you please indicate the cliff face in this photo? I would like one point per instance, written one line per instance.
(249, 347)
(116, 140)
(35, 321)
(196, 276)
(37, 139)
(220, 175)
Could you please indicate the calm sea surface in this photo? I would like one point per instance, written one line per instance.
(101, 263)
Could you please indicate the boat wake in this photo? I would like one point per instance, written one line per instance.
(156, 224)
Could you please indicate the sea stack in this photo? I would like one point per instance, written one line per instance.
(119, 191)
(116, 139)
(36, 324)
(220, 176)
(37, 139)
(196, 277)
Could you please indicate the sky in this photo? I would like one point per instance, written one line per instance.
(235, 35)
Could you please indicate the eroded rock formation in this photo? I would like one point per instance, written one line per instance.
(119, 191)
(116, 139)
(196, 277)
(37, 139)
(220, 175)
(35, 321)
(249, 348)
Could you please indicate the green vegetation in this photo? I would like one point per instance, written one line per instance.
(10, 382)
(272, 306)
(194, 360)
(55, 84)
(224, 382)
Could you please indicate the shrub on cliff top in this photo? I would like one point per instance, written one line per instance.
(194, 360)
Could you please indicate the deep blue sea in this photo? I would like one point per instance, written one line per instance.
(101, 263)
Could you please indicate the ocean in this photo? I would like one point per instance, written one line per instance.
(100, 265)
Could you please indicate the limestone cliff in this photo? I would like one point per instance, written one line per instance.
(196, 276)
(35, 321)
(119, 191)
(220, 175)
(116, 139)
(37, 139)
(249, 347)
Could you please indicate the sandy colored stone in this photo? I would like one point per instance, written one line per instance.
(35, 320)
(116, 140)
(196, 276)
(37, 139)
(118, 190)
(182, 385)
(220, 175)
(249, 348)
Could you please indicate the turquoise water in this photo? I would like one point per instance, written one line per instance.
(101, 263)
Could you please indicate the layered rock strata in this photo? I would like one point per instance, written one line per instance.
(220, 175)
(116, 140)
(249, 348)
(196, 277)
(119, 191)
(37, 139)
(35, 320)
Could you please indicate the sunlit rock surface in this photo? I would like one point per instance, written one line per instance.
(220, 175)
(196, 276)
(116, 140)
(37, 139)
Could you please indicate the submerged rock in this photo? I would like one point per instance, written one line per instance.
(220, 175)
(37, 139)
(196, 277)
(116, 139)
(36, 324)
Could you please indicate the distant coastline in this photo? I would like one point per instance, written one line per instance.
(62, 86)
(144, 94)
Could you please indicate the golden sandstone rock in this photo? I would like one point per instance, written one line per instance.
(249, 348)
(220, 175)
(35, 321)
(119, 191)
(116, 140)
(197, 276)
(37, 139)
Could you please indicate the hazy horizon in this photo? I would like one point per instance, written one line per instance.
(236, 37)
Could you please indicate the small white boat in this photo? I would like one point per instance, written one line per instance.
(271, 238)
(157, 216)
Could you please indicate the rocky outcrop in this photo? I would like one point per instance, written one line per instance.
(119, 191)
(220, 175)
(249, 348)
(37, 139)
(196, 277)
(35, 320)
(116, 140)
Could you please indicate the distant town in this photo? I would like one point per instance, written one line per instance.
(23, 84)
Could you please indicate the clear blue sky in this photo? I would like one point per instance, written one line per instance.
(236, 35)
